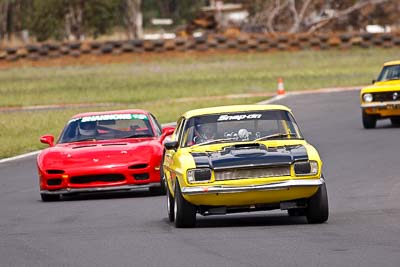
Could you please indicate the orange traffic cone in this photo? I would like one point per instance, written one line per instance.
(281, 87)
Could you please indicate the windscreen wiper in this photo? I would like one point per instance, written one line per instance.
(276, 135)
(215, 141)
(394, 78)
(86, 139)
(137, 136)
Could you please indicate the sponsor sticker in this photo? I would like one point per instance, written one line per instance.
(239, 117)
(108, 117)
(72, 120)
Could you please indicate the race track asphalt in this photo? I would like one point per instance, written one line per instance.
(131, 229)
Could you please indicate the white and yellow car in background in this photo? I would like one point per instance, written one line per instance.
(242, 158)
(381, 100)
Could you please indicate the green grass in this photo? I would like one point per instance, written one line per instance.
(20, 131)
(194, 76)
(152, 83)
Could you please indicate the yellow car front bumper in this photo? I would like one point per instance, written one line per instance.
(223, 195)
(384, 109)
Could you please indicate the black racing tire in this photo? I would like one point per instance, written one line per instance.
(395, 121)
(296, 212)
(369, 121)
(162, 180)
(161, 189)
(156, 190)
(170, 206)
(317, 210)
(184, 212)
(50, 198)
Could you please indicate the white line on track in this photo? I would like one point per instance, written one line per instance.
(20, 156)
(272, 99)
(269, 101)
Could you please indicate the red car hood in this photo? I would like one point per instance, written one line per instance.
(100, 153)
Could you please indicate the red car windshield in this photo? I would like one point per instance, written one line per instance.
(107, 127)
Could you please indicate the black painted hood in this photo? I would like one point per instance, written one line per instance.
(249, 155)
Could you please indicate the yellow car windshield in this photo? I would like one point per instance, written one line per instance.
(391, 72)
(240, 127)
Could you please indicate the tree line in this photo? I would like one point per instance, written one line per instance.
(79, 19)
(309, 16)
(63, 19)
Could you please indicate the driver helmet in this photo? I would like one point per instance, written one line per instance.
(88, 128)
(207, 130)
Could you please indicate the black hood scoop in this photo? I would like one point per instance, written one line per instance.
(250, 155)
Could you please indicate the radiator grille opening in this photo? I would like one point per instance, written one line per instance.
(141, 176)
(138, 166)
(384, 96)
(97, 178)
(54, 181)
(55, 171)
(235, 174)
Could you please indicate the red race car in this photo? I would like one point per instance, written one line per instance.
(103, 151)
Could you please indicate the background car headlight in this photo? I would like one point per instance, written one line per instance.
(367, 97)
(199, 175)
(306, 168)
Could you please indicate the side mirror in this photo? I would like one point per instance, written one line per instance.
(47, 139)
(373, 81)
(166, 132)
(171, 145)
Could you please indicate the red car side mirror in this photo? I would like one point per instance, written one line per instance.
(47, 139)
(166, 131)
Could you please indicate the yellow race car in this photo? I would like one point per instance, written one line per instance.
(242, 158)
(381, 100)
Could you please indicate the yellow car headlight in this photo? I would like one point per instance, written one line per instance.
(306, 168)
(368, 97)
(199, 175)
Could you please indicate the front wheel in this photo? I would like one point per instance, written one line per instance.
(317, 210)
(170, 206)
(157, 190)
(162, 180)
(395, 121)
(50, 198)
(296, 212)
(185, 213)
(161, 189)
(369, 121)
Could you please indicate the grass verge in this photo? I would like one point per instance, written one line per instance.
(169, 78)
(155, 84)
(20, 131)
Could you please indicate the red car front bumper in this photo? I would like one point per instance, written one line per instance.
(98, 179)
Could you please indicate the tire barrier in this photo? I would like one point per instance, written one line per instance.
(11, 50)
(43, 51)
(315, 43)
(127, 47)
(22, 53)
(75, 53)
(64, 50)
(232, 44)
(86, 48)
(106, 48)
(262, 43)
(210, 42)
(180, 44)
(159, 45)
